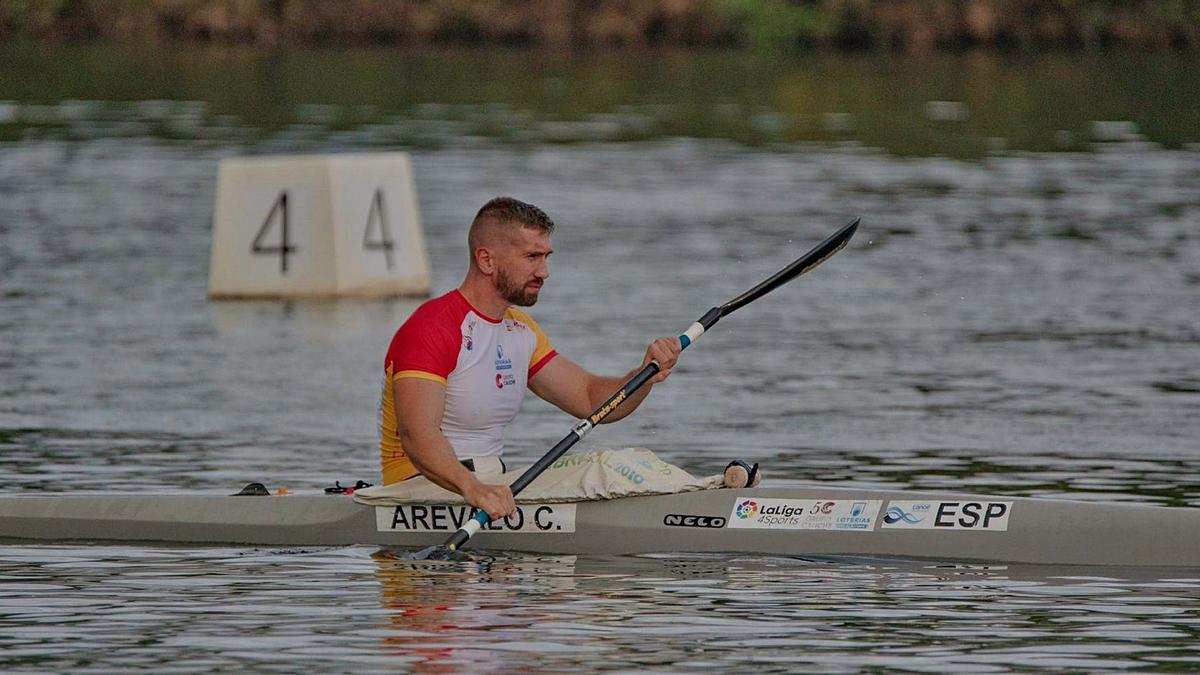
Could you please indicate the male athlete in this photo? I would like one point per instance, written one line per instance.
(457, 369)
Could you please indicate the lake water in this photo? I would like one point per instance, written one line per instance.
(1006, 321)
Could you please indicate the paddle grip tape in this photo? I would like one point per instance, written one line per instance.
(697, 329)
(689, 336)
(463, 534)
(473, 525)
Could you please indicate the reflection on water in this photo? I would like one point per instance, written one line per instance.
(332, 322)
(171, 609)
(966, 105)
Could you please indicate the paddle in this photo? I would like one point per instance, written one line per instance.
(832, 244)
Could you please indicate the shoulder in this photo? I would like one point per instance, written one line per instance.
(443, 311)
(521, 318)
(430, 339)
(542, 352)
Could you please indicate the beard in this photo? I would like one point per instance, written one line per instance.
(515, 293)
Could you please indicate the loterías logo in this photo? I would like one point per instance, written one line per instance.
(747, 508)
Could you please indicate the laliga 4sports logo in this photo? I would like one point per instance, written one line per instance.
(746, 509)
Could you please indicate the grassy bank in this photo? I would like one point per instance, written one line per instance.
(904, 25)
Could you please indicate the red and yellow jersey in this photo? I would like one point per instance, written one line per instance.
(485, 364)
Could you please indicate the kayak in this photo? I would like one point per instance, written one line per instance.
(804, 521)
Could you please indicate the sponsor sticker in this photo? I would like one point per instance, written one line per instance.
(529, 518)
(804, 514)
(688, 520)
(947, 515)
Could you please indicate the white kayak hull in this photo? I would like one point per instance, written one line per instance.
(811, 521)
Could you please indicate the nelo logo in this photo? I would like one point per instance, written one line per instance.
(684, 520)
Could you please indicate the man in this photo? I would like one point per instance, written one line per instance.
(457, 369)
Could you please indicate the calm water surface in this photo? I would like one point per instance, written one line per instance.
(1020, 324)
(180, 610)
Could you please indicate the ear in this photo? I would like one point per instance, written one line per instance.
(484, 260)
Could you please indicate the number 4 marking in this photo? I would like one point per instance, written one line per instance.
(378, 214)
(285, 247)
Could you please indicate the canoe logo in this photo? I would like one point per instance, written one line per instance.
(896, 514)
(746, 509)
(965, 515)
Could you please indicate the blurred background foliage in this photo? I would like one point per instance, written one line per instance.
(903, 25)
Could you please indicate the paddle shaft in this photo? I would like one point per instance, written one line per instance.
(832, 244)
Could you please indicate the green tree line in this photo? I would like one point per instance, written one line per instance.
(902, 25)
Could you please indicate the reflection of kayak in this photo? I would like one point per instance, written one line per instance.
(813, 521)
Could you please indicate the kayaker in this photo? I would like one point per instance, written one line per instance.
(457, 369)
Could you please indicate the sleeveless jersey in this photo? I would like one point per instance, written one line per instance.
(485, 364)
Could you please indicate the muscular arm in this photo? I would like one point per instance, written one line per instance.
(420, 404)
(577, 392)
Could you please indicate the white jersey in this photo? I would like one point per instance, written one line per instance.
(485, 364)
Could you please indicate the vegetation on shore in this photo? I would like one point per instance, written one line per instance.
(905, 25)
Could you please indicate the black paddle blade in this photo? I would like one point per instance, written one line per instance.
(439, 552)
(805, 263)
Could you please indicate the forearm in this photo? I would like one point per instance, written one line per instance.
(434, 457)
(600, 388)
(578, 392)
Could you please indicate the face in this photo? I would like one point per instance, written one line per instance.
(521, 267)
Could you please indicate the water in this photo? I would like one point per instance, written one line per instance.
(358, 609)
(1017, 324)
(961, 105)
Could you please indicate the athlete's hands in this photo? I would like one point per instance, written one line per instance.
(666, 352)
(497, 500)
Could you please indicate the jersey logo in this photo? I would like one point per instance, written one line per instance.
(468, 339)
(504, 372)
(502, 361)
